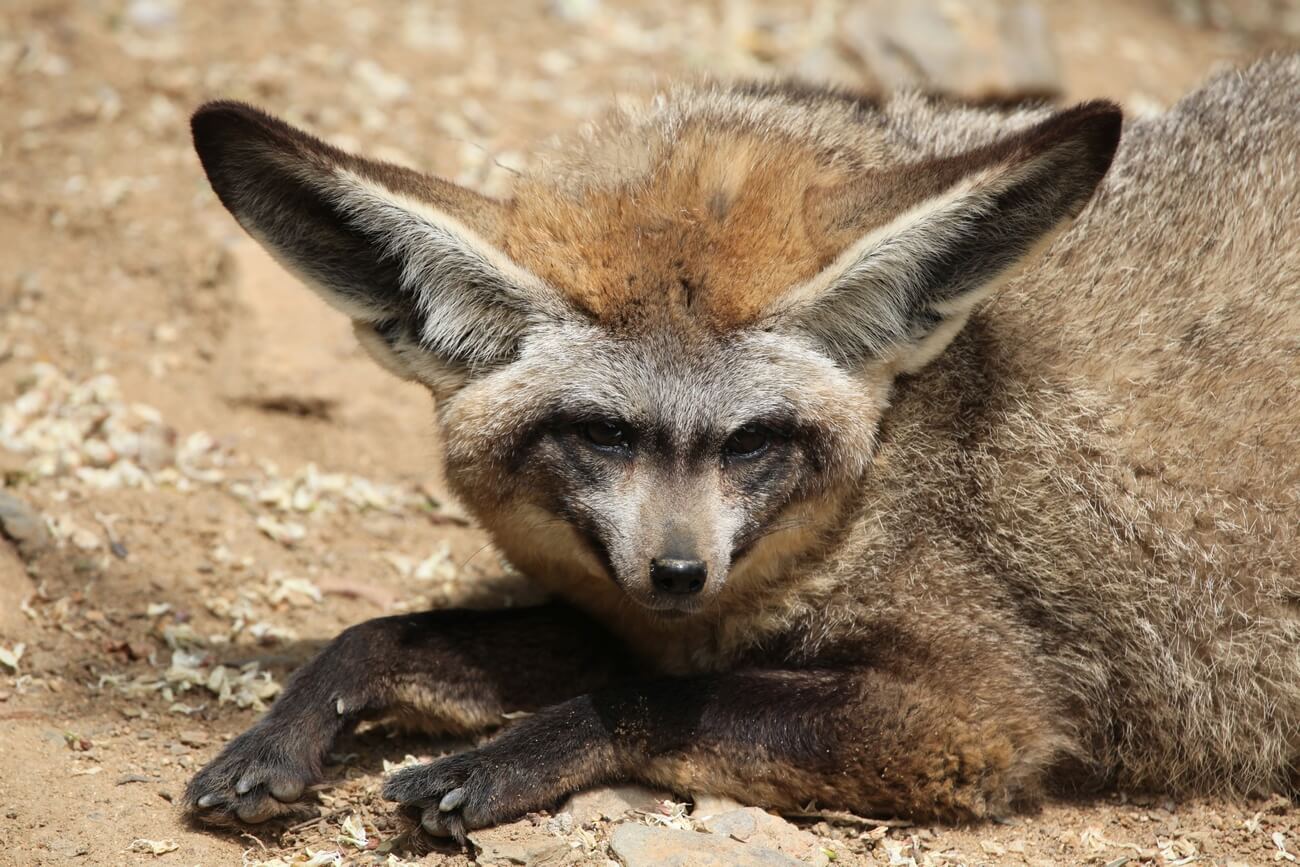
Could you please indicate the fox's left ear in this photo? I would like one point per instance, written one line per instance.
(408, 256)
(940, 236)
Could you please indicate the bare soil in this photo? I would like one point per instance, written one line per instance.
(282, 487)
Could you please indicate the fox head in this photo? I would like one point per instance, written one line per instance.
(661, 365)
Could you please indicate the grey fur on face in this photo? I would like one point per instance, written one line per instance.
(673, 491)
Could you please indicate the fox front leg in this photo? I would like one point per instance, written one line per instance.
(453, 671)
(858, 740)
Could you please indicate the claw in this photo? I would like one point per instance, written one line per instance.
(286, 791)
(452, 800)
(245, 785)
(207, 801)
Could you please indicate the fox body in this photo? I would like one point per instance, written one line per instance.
(904, 457)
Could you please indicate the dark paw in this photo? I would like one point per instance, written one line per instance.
(455, 795)
(257, 777)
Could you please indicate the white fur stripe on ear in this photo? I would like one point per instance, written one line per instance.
(472, 300)
(903, 290)
(407, 256)
(865, 301)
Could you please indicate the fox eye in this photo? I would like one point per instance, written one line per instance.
(606, 434)
(747, 441)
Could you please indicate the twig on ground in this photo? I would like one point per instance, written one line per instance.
(839, 817)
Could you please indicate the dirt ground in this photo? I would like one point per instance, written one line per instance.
(228, 482)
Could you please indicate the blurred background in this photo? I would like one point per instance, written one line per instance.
(456, 86)
(203, 476)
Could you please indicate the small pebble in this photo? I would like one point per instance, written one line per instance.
(194, 738)
(23, 524)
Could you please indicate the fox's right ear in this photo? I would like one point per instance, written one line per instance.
(406, 255)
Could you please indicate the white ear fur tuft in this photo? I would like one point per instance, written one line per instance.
(399, 252)
(905, 289)
(472, 303)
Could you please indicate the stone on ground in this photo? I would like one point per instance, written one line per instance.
(518, 843)
(980, 50)
(643, 846)
(611, 802)
(24, 525)
(758, 827)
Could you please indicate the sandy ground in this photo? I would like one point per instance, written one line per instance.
(229, 482)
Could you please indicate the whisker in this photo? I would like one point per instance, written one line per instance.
(484, 547)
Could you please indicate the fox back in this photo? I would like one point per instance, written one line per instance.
(767, 372)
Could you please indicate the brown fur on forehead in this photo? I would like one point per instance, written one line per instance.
(719, 224)
(718, 199)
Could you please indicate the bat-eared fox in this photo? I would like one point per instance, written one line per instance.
(901, 456)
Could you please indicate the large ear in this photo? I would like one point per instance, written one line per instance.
(404, 254)
(939, 236)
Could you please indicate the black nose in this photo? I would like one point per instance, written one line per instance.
(678, 576)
